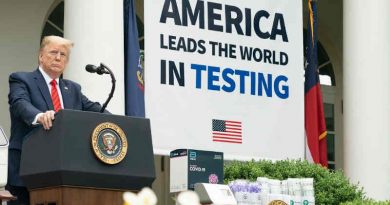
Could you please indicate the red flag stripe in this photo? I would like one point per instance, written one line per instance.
(231, 128)
(223, 137)
(237, 142)
(230, 131)
(226, 134)
(234, 122)
(315, 125)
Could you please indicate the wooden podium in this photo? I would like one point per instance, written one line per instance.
(76, 196)
(61, 166)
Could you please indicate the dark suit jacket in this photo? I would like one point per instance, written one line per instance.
(28, 96)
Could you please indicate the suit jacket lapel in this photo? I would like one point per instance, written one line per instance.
(65, 95)
(43, 88)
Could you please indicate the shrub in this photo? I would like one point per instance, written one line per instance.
(366, 202)
(331, 187)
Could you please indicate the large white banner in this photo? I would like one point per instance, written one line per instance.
(225, 75)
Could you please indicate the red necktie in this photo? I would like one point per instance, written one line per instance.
(54, 96)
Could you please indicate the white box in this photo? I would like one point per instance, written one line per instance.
(215, 194)
(3, 158)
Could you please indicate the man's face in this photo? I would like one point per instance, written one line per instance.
(53, 59)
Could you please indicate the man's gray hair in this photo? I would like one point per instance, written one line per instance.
(56, 39)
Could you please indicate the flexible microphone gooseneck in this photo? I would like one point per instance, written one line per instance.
(103, 69)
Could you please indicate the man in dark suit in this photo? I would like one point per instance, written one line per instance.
(34, 98)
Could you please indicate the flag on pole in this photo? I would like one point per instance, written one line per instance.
(315, 127)
(134, 72)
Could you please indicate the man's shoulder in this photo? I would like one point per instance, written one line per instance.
(23, 74)
(70, 83)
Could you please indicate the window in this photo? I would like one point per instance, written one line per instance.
(55, 22)
(55, 25)
(330, 138)
(324, 65)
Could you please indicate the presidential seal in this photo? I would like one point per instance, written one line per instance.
(109, 143)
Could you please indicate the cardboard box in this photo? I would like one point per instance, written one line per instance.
(188, 166)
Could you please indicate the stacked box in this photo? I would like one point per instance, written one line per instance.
(190, 166)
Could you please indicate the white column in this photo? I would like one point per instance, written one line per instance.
(96, 28)
(367, 95)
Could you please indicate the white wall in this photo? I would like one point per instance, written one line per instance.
(21, 23)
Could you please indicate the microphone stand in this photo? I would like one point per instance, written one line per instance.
(112, 88)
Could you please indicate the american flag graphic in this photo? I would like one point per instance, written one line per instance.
(227, 131)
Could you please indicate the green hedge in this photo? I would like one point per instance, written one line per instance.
(331, 187)
(366, 202)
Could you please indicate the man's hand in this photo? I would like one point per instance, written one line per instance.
(46, 118)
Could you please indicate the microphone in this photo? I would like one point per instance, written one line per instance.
(96, 69)
(103, 69)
